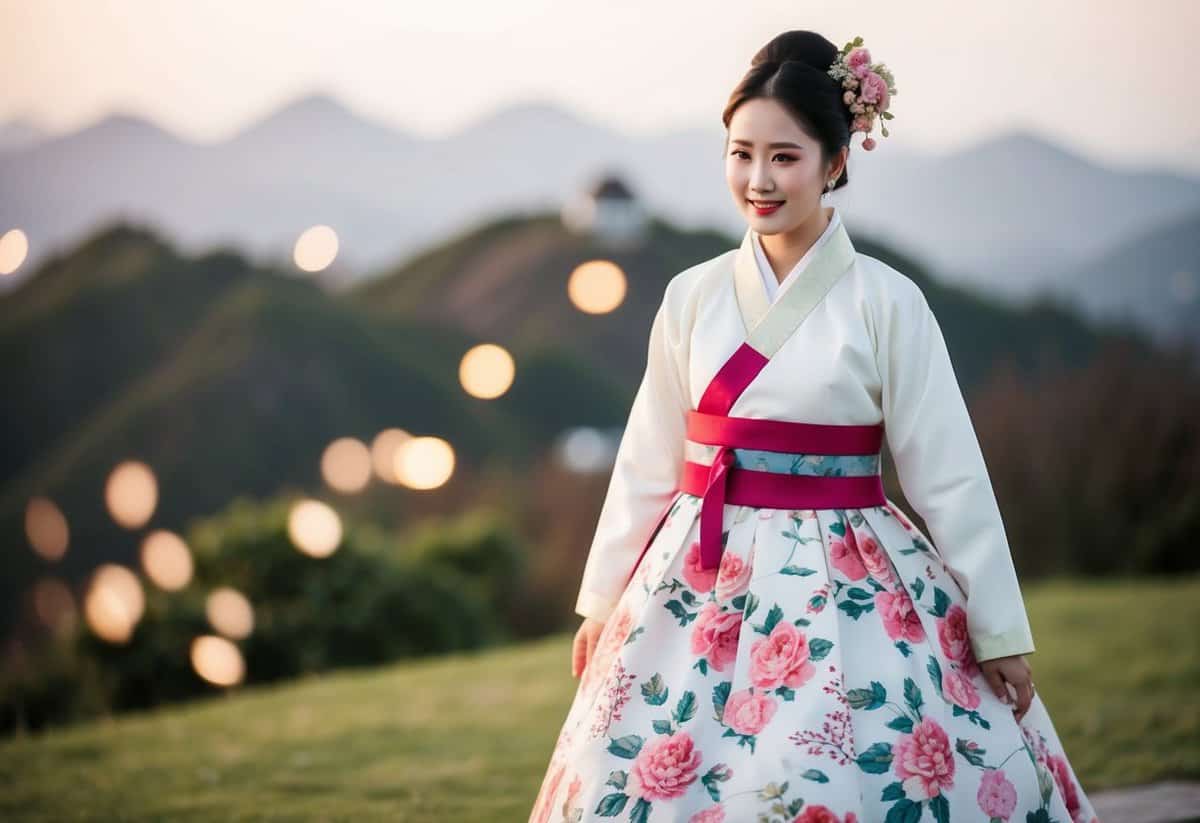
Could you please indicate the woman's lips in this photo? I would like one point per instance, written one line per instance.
(765, 207)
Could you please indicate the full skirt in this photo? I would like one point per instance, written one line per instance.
(822, 672)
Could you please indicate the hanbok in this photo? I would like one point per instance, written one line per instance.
(781, 643)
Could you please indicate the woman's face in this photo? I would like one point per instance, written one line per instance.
(773, 169)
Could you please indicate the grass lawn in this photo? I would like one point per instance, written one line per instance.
(466, 737)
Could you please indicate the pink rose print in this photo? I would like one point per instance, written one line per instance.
(845, 557)
(956, 641)
(924, 761)
(997, 796)
(781, 658)
(959, 688)
(733, 576)
(900, 618)
(1066, 785)
(859, 61)
(715, 635)
(749, 713)
(713, 814)
(822, 814)
(875, 559)
(665, 767)
(701, 580)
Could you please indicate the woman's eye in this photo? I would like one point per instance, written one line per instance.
(786, 157)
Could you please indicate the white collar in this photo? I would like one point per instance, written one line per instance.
(770, 282)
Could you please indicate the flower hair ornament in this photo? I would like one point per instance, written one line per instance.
(869, 88)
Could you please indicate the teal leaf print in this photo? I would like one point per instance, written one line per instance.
(751, 605)
(838, 528)
(627, 746)
(912, 696)
(972, 715)
(935, 675)
(903, 648)
(816, 775)
(681, 614)
(918, 588)
(617, 778)
(816, 602)
(892, 791)
(877, 759)
(702, 665)
(801, 621)
(860, 594)
(773, 617)
(654, 692)
(688, 598)
(685, 709)
(855, 610)
(876, 585)
(901, 723)
(663, 727)
(799, 571)
(786, 693)
(905, 811)
(611, 805)
(717, 774)
(871, 698)
(941, 602)
(641, 811)
(940, 807)
(970, 750)
(1040, 816)
(720, 698)
(739, 602)
(819, 648)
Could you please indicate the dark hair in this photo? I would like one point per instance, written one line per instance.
(792, 69)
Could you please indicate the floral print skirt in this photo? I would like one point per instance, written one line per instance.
(822, 672)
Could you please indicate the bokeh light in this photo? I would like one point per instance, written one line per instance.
(314, 528)
(14, 247)
(486, 371)
(315, 249)
(424, 462)
(229, 613)
(46, 528)
(597, 286)
(131, 494)
(383, 453)
(346, 465)
(167, 560)
(114, 603)
(217, 660)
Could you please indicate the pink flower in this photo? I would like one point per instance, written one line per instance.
(956, 640)
(665, 767)
(859, 61)
(781, 658)
(822, 814)
(997, 797)
(701, 580)
(1061, 771)
(716, 635)
(875, 559)
(924, 761)
(713, 814)
(959, 688)
(748, 713)
(844, 554)
(900, 618)
(733, 576)
(874, 90)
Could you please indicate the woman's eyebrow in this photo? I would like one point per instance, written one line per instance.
(769, 145)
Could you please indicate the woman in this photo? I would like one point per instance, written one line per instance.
(766, 635)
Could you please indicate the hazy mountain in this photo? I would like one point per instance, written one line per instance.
(1152, 280)
(1006, 214)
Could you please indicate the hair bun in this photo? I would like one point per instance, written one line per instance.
(800, 46)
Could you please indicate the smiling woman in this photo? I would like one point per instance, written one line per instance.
(766, 634)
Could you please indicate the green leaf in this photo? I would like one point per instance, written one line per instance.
(799, 571)
(877, 759)
(611, 805)
(626, 747)
(912, 696)
(685, 709)
(653, 690)
(818, 648)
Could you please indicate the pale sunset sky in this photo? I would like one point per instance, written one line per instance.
(1110, 80)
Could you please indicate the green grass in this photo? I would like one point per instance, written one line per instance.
(466, 737)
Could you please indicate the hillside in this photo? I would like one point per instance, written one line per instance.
(467, 737)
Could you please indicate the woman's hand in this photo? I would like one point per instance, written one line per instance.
(1012, 669)
(585, 644)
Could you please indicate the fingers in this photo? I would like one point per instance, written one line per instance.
(591, 644)
(578, 654)
(996, 681)
(1024, 697)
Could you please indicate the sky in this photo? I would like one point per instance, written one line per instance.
(1083, 73)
